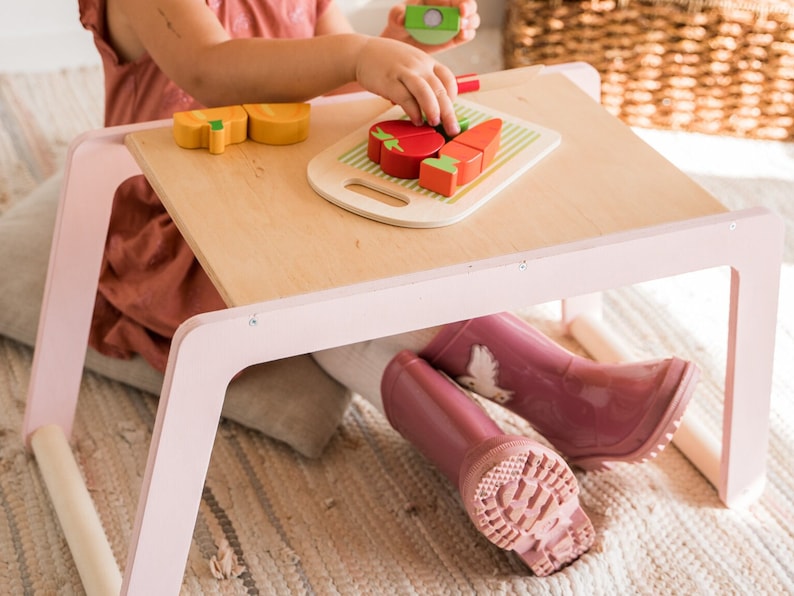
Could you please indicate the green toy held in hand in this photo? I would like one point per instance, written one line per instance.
(432, 25)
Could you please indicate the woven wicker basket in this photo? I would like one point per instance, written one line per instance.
(721, 67)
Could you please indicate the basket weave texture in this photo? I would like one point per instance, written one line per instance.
(718, 67)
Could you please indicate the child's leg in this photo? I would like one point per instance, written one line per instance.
(359, 367)
(593, 413)
(519, 494)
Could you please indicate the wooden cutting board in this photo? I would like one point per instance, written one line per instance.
(344, 175)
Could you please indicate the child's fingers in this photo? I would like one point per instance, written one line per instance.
(434, 96)
(404, 98)
(467, 8)
(446, 107)
(432, 100)
(469, 21)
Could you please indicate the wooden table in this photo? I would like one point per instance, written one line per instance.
(601, 181)
(301, 274)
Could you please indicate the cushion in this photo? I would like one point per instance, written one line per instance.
(291, 400)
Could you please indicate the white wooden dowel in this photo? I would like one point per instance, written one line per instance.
(692, 438)
(79, 520)
(600, 341)
(699, 446)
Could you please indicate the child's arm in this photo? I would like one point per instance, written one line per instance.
(191, 47)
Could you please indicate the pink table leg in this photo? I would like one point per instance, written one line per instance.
(755, 260)
(97, 162)
(751, 243)
(753, 250)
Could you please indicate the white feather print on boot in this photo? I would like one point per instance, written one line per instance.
(483, 377)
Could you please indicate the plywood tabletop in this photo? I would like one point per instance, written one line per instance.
(262, 233)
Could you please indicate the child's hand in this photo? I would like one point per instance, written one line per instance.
(411, 79)
(469, 22)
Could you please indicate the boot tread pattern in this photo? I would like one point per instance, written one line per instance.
(528, 502)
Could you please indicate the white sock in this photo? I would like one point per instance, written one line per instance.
(359, 367)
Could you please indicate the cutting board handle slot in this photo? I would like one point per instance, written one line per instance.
(376, 194)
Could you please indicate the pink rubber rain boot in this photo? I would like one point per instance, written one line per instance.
(592, 413)
(519, 494)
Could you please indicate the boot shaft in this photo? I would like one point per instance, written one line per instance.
(580, 406)
(433, 413)
(519, 494)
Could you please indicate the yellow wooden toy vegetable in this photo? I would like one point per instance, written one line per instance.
(213, 128)
(278, 123)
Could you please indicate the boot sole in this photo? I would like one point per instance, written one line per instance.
(523, 497)
(661, 436)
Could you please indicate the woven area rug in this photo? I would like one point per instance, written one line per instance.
(371, 516)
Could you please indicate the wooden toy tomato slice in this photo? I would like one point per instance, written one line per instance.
(399, 146)
(402, 160)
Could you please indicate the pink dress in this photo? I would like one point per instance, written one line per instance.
(150, 280)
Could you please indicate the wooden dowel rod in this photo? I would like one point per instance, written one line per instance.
(599, 340)
(692, 438)
(76, 513)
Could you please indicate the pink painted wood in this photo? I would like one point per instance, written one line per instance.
(210, 348)
(95, 165)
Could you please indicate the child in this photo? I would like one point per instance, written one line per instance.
(175, 55)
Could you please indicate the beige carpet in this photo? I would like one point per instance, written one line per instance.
(371, 516)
